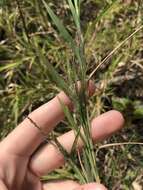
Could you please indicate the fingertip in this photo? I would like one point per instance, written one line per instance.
(106, 124)
(60, 185)
(118, 116)
(92, 186)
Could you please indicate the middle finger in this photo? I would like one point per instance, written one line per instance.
(49, 158)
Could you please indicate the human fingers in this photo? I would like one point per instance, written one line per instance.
(26, 137)
(71, 185)
(2, 186)
(60, 185)
(49, 157)
(91, 186)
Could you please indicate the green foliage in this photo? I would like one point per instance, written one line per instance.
(125, 104)
(138, 110)
(121, 104)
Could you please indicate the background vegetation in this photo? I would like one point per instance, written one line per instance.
(24, 83)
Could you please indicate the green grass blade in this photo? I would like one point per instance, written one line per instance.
(68, 158)
(10, 66)
(61, 28)
(77, 7)
(63, 32)
(68, 115)
(75, 13)
(52, 73)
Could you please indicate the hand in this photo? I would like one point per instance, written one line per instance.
(21, 166)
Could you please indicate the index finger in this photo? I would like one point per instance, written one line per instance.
(26, 137)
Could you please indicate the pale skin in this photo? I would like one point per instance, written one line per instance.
(21, 166)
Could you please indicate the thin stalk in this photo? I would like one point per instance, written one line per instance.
(68, 158)
(119, 144)
(82, 166)
(114, 51)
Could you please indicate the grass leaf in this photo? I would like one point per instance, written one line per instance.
(63, 31)
(10, 66)
(75, 13)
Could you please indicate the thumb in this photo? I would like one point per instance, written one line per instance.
(91, 186)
